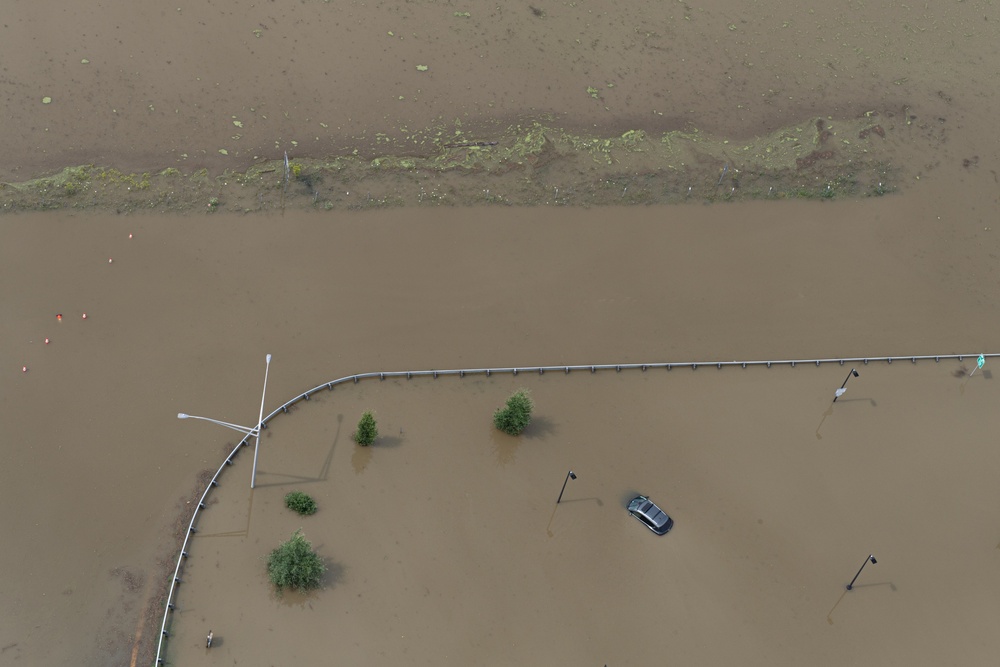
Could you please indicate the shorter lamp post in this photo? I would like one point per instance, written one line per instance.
(840, 392)
(570, 475)
(871, 559)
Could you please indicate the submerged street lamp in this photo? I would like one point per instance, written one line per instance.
(840, 392)
(255, 431)
(570, 475)
(870, 559)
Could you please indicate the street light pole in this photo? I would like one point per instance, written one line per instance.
(236, 427)
(570, 475)
(260, 419)
(840, 392)
(873, 562)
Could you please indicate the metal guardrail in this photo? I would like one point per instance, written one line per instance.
(514, 370)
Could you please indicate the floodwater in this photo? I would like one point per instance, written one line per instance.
(444, 541)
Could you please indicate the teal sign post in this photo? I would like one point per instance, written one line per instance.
(979, 364)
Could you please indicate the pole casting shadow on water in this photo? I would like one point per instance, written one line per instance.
(829, 411)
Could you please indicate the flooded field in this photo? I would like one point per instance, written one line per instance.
(129, 296)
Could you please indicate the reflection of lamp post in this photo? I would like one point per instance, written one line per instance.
(840, 392)
(873, 562)
(570, 475)
(235, 427)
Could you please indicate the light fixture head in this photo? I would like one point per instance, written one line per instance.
(854, 372)
(872, 559)
(572, 475)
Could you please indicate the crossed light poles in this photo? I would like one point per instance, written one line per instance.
(840, 392)
(255, 431)
(870, 559)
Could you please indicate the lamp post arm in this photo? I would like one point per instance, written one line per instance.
(236, 427)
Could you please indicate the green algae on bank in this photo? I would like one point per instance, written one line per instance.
(525, 164)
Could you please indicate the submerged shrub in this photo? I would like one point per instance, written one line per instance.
(300, 502)
(295, 565)
(515, 416)
(367, 430)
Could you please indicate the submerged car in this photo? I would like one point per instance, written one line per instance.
(646, 511)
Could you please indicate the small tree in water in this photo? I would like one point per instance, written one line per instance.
(294, 564)
(515, 416)
(300, 502)
(367, 430)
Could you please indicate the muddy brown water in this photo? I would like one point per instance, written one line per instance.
(444, 541)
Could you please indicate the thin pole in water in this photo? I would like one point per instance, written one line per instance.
(570, 475)
(870, 559)
(260, 420)
(840, 392)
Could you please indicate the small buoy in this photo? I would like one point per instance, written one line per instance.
(24, 369)
(130, 236)
(110, 260)
(46, 341)
(59, 317)
(85, 316)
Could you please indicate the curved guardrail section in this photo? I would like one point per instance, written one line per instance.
(514, 370)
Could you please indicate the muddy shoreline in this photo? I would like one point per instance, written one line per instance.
(524, 165)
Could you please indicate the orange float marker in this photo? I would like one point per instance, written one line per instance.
(85, 316)
(59, 317)
(130, 236)
(46, 341)
(24, 369)
(110, 260)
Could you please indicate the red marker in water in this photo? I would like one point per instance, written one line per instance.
(59, 317)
